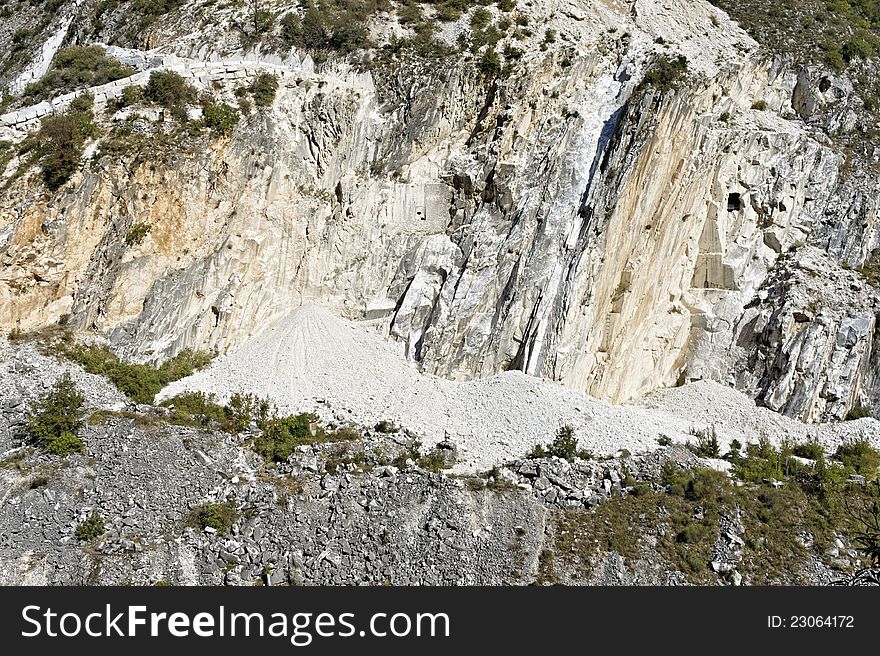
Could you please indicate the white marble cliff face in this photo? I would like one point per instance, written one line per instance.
(569, 221)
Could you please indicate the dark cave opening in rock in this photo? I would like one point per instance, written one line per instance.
(734, 202)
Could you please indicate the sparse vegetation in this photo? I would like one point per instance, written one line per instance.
(707, 445)
(171, 91)
(666, 72)
(101, 417)
(835, 32)
(58, 144)
(56, 418)
(196, 409)
(564, 446)
(91, 528)
(218, 516)
(137, 233)
(140, 382)
(76, 67)
(679, 517)
(432, 461)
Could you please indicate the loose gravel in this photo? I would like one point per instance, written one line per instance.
(314, 361)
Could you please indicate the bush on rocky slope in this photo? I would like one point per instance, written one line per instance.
(76, 67)
(665, 73)
(197, 409)
(169, 90)
(564, 446)
(56, 418)
(58, 144)
(218, 516)
(140, 382)
(263, 89)
(281, 435)
(90, 528)
(220, 118)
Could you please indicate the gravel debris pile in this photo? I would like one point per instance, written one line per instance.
(315, 361)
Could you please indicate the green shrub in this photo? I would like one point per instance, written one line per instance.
(812, 450)
(282, 435)
(760, 105)
(171, 91)
(490, 63)
(60, 141)
(664, 440)
(263, 89)
(140, 382)
(137, 234)
(220, 118)
(194, 409)
(77, 67)
(218, 516)
(90, 528)
(7, 152)
(859, 456)
(857, 49)
(387, 427)
(242, 409)
(433, 462)
(56, 418)
(834, 59)
(735, 448)
(131, 95)
(666, 72)
(858, 412)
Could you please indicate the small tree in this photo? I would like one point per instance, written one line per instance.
(565, 446)
(57, 417)
(259, 18)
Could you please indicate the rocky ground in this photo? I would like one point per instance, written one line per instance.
(362, 511)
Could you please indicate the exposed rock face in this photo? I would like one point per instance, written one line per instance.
(569, 221)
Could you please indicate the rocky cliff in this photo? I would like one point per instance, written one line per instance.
(643, 196)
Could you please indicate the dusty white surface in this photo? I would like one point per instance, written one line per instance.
(313, 360)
